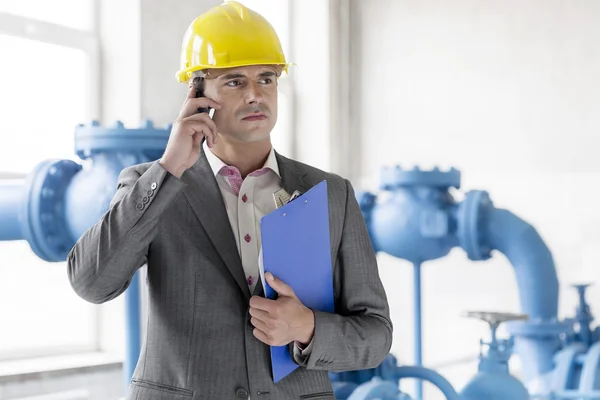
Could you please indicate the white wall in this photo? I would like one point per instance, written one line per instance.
(163, 26)
(120, 33)
(506, 92)
(310, 52)
(141, 43)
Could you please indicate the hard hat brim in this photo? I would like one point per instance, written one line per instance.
(185, 75)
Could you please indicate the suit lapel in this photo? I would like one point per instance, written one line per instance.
(291, 176)
(259, 289)
(203, 194)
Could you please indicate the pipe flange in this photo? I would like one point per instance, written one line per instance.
(93, 138)
(537, 328)
(469, 216)
(395, 177)
(44, 225)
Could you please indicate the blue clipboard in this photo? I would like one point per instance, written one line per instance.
(297, 249)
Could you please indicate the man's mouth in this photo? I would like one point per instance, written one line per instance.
(255, 117)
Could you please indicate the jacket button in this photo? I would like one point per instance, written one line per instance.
(153, 186)
(145, 199)
(150, 192)
(140, 206)
(242, 393)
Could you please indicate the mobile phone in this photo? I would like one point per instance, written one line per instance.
(199, 86)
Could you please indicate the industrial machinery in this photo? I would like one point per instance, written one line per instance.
(418, 220)
(60, 199)
(575, 373)
(492, 382)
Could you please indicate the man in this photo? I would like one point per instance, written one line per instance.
(193, 217)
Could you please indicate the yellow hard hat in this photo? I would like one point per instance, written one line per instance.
(226, 36)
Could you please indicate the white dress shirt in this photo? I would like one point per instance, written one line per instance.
(246, 202)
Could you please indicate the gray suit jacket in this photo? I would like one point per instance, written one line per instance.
(199, 342)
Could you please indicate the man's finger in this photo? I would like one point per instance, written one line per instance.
(196, 129)
(260, 303)
(191, 93)
(198, 137)
(212, 132)
(198, 126)
(258, 324)
(191, 106)
(204, 118)
(260, 314)
(204, 102)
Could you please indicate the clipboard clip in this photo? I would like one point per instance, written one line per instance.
(294, 196)
(281, 197)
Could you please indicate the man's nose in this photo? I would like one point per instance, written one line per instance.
(254, 94)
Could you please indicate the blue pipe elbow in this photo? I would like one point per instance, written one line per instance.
(538, 339)
(533, 263)
(484, 228)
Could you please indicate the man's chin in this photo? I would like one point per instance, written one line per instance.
(252, 137)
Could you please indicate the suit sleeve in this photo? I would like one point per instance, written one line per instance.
(101, 264)
(359, 335)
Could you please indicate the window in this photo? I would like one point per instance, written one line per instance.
(77, 14)
(41, 315)
(49, 77)
(43, 86)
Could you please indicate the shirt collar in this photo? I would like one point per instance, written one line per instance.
(216, 164)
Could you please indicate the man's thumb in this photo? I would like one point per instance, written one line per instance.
(281, 288)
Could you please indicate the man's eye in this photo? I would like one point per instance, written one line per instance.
(233, 83)
(267, 80)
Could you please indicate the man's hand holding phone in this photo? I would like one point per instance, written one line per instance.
(188, 131)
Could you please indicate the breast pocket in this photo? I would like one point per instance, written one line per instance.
(142, 389)
(318, 396)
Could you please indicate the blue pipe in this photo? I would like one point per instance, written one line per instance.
(430, 376)
(567, 370)
(531, 259)
(12, 200)
(589, 373)
(418, 327)
(537, 340)
(584, 317)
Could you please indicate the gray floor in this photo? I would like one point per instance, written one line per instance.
(92, 383)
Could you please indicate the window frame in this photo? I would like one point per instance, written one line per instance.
(87, 41)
